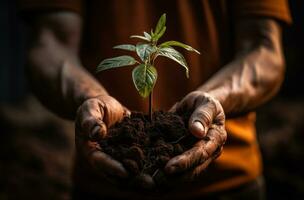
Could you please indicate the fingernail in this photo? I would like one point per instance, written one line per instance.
(199, 126)
(98, 132)
(127, 113)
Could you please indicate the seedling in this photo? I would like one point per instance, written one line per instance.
(144, 75)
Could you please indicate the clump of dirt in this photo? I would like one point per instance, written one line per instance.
(145, 146)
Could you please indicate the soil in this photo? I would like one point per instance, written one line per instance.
(145, 146)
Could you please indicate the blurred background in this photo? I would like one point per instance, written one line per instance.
(36, 147)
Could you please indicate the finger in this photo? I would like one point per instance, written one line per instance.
(202, 151)
(127, 112)
(90, 120)
(182, 162)
(112, 110)
(196, 172)
(190, 176)
(98, 132)
(143, 181)
(217, 136)
(173, 108)
(100, 162)
(85, 147)
(105, 163)
(201, 119)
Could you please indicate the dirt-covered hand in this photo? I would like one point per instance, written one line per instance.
(207, 122)
(93, 118)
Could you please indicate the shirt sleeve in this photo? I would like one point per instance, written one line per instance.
(26, 6)
(276, 9)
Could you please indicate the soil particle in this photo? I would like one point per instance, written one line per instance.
(145, 146)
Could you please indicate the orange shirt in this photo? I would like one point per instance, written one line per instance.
(207, 25)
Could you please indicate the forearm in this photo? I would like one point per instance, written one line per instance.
(256, 73)
(55, 72)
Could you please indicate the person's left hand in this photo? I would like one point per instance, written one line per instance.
(207, 122)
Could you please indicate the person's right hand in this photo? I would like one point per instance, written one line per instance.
(93, 118)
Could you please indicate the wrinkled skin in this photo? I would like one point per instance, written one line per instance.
(250, 79)
(253, 77)
(207, 122)
(93, 118)
(54, 70)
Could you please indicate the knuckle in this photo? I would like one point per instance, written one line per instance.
(211, 147)
(220, 119)
(88, 104)
(198, 156)
(183, 161)
(190, 99)
(221, 131)
(218, 134)
(203, 155)
(91, 101)
(88, 122)
(213, 103)
(204, 97)
(204, 116)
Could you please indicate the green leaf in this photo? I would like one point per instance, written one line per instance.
(171, 53)
(156, 37)
(115, 62)
(151, 32)
(140, 37)
(147, 35)
(128, 47)
(160, 24)
(144, 78)
(179, 44)
(144, 51)
(160, 29)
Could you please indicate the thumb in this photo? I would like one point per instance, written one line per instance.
(201, 119)
(89, 120)
(173, 109)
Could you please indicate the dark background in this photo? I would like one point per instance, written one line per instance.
(36, 147)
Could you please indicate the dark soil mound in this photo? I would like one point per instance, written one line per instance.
(145, 147)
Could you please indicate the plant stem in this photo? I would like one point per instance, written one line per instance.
(150, 105)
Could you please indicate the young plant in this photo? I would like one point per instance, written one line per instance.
(144, 75)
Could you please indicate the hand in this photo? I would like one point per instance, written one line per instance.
(207, 122)
(93, 118)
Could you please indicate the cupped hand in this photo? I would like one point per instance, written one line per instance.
(94, 117)
(207, 123)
